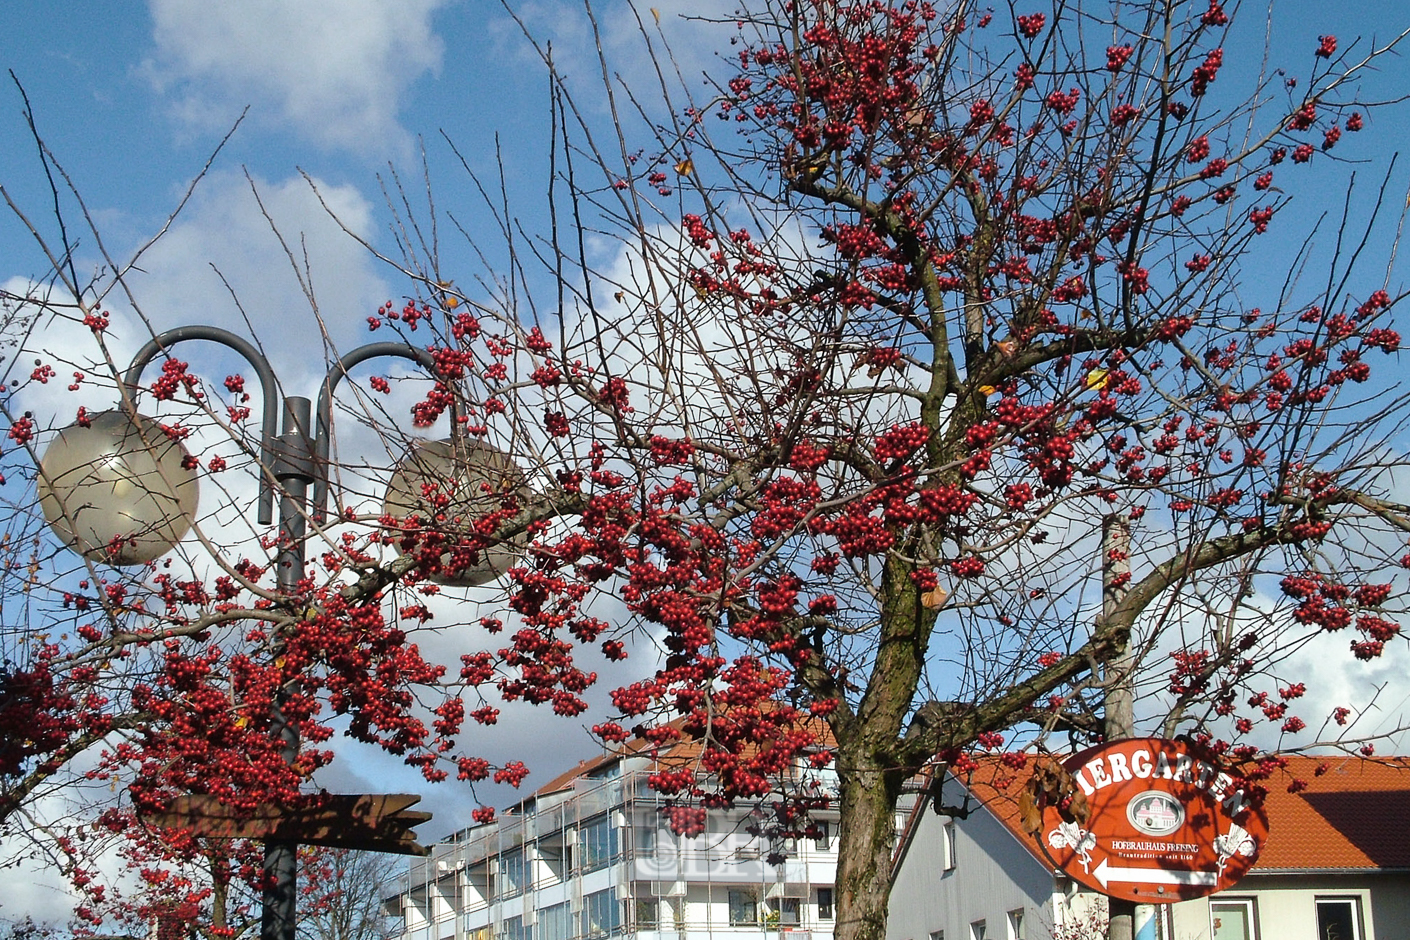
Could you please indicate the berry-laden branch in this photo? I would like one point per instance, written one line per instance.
(830, 466)
(1010, 316)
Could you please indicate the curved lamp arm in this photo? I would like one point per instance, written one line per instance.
(269, 424)
(323, 431)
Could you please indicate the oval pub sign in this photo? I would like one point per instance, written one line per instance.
(1165, 825)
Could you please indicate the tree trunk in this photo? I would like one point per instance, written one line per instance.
(865, 844)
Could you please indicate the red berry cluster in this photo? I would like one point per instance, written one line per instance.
(901, 441)
(1030, 25)
(1206, 72)
(1117, 56)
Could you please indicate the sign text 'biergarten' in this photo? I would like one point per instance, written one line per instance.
(1164, 825)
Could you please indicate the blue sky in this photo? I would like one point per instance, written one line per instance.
(133, 97)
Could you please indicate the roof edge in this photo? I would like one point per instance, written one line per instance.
(1366, 870)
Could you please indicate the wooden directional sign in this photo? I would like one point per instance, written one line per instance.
(372, 822)
(1165, 825)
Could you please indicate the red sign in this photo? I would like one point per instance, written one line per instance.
(1164, 825)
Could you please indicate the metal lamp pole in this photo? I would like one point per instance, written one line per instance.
(291, 460)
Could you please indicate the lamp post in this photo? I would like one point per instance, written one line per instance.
(118, 490)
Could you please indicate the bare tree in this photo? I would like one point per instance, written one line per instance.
(917, 302)
(351, 889)
(839, 422)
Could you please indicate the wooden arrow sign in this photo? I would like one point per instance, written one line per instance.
(374, 822)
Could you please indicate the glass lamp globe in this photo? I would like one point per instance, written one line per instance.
(449, 486)
(117, 489)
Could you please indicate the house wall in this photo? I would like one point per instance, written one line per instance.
(1390, 905)
(988, 876)
(989, 873)
(1286, 905)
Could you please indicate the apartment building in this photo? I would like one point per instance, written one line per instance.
(589, 855)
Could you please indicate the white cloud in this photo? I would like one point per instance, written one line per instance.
(35, 890)
(1375, 691)
(223, 238)
(331, 70)
(684, 37)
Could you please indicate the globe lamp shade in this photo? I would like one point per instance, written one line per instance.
(442, 490)
(117, 488)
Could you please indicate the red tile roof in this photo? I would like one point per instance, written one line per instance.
(674, 754)
(680, 753)
(1356, 815)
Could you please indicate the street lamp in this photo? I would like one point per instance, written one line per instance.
(452, 484)
(116, 488)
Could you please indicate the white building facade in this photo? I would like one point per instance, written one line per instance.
(591, 856)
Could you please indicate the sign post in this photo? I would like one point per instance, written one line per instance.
(1163, 824)
(366, 821)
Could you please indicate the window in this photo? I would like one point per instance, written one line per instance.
(647, 911)
(645, 837)
(597, 844)
(600, 913)
(1233, 919)
(978, 931)
(937, 935)
(743, 908)
(823, 841)
(785, 912)
(511, 872)
(1338, 919)
(513, 928)
(825, 905)
(948, 844)
(1016, 924)
(556, 922)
